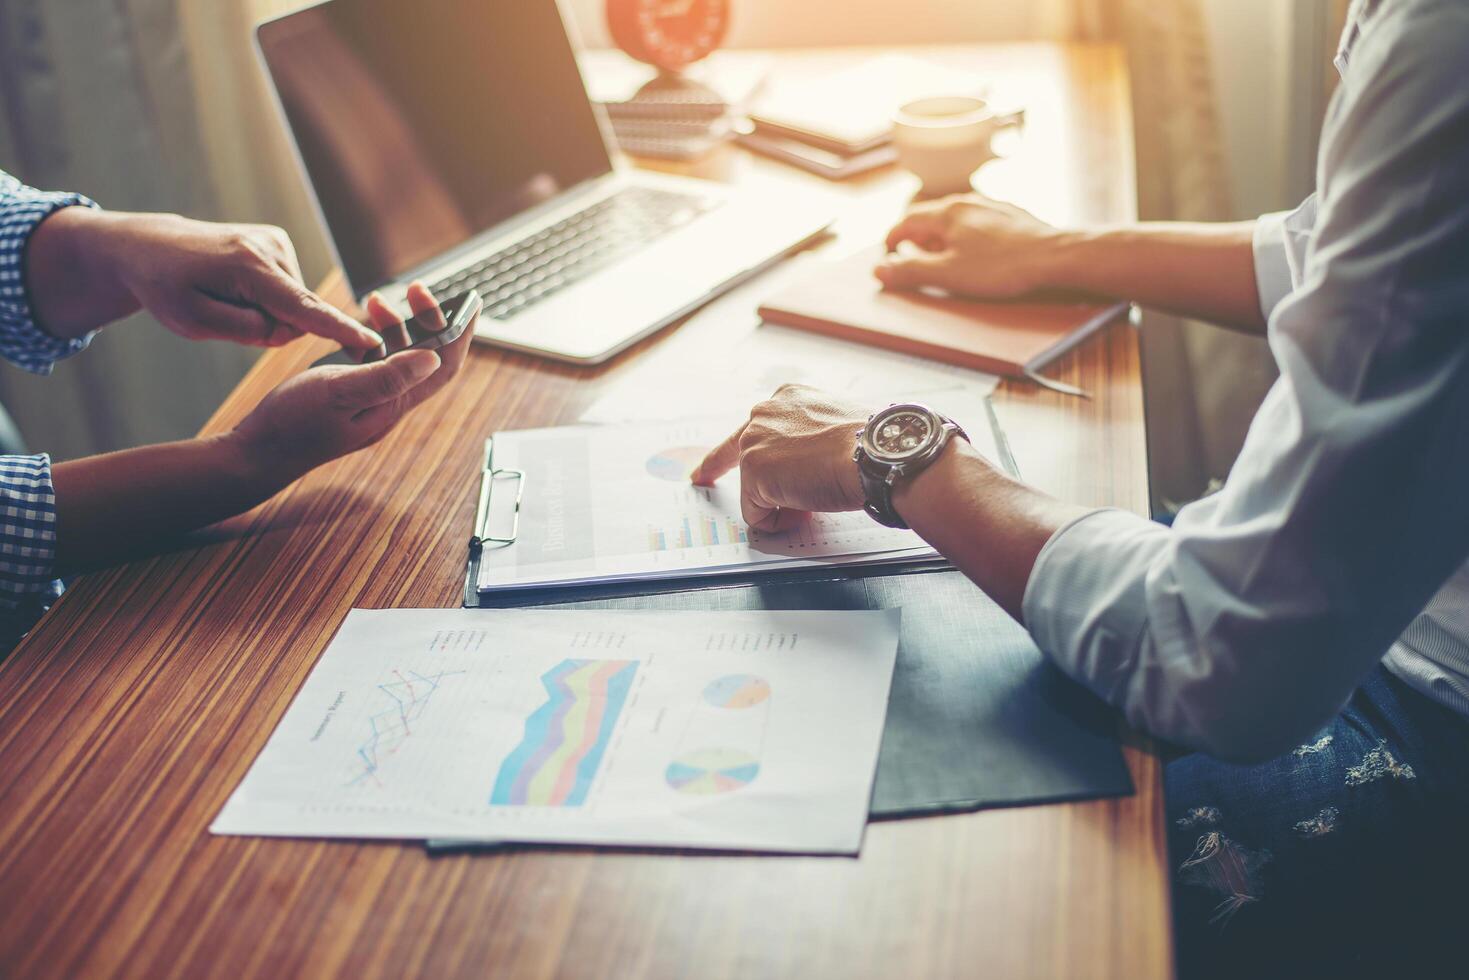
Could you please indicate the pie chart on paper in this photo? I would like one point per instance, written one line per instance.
(707, 772)
(675, 464)
(737, 691)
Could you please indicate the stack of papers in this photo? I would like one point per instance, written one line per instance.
(746, 730)
(614, 503)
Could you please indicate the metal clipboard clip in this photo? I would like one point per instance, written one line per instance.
(489, 477)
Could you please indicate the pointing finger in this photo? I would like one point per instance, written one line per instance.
(720, 461)
(242, 324)
(292, 303)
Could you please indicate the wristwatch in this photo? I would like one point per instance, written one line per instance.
(897, 443)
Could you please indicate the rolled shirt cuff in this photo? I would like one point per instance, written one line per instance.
(22, 340)
(1272, 269)
(1279, 244)
(28, 583)
(1086, 602)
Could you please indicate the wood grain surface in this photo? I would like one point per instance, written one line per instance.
(135, 707)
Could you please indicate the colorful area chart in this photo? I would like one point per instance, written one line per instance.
(737, 691)
(708, 771)
(675, 465)
(566, 738)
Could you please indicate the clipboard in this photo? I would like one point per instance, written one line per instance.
(977, 716)
(512, 483)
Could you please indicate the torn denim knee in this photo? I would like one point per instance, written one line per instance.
(1318, 826)
(1377, 764)
(1226, 868)
(1206, 816)
(1301, 751)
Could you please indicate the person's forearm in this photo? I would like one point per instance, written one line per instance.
(990, 526)
(122, 505)
(73, 286)
(1205, 271)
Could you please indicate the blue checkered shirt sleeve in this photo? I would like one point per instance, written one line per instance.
(22, 341)
(28, 583)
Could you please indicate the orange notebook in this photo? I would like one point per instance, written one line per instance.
(1015, 339)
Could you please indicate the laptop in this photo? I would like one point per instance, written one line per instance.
(454, 143)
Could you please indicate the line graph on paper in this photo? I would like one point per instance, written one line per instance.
(405, 699)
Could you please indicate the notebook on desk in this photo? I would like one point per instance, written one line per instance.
(1014, 339)
(815, 159)
(851, 111)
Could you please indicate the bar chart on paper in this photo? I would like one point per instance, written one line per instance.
(697, 530)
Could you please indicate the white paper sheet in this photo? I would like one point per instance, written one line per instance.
(614, 503)
(760, 360)
(748, 731)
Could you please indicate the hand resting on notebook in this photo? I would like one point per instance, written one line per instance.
(972, 246)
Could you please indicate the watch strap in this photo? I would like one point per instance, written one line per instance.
(877, 491)
(879, 478)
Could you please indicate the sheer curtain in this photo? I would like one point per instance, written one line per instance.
(1206, 382)
(1180, 150)
(98, 96)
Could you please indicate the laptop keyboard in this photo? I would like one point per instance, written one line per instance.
(543, 264)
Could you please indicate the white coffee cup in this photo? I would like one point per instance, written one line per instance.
(945, 139)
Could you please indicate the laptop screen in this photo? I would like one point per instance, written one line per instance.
(424, 123)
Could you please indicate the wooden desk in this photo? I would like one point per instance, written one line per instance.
(135, 707)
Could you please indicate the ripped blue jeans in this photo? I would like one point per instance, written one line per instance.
(1343, 858)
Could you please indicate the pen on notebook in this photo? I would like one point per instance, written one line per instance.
(476, 540)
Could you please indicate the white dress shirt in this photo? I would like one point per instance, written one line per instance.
(1342, 532)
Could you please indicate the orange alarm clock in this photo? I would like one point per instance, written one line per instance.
(669, 34)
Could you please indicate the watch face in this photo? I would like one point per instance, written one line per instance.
(903, 433)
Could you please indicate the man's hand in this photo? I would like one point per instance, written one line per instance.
(332, 411)
(120, 505)
(201, 280)
(794, 457)
(973, 246)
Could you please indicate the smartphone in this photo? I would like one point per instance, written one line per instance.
(426, 331)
